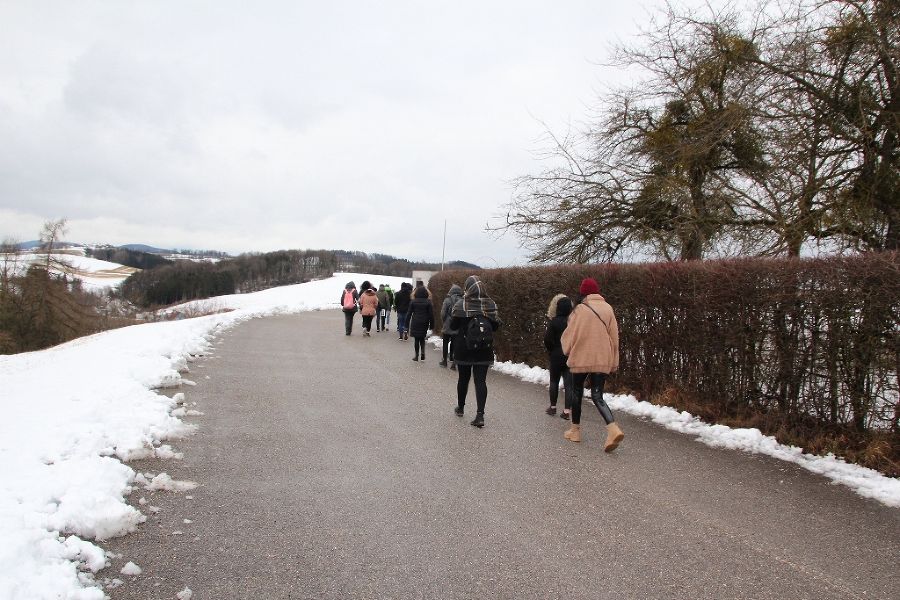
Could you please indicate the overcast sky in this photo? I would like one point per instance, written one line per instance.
(260, 126)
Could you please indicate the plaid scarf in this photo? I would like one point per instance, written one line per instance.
(475, 302)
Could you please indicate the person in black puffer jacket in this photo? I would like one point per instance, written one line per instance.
(475, 303)
(558, 311)
(420, 319)
(401, 305)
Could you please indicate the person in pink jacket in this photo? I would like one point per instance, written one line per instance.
(368, 306)
(591, 341)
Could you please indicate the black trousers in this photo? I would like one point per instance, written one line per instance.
(598, 380)
(448, 346)
(367, 322)
(462, 384)
(558, 372)
(348, 321)
(419, 345)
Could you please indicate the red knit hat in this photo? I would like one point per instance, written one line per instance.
(589, 286)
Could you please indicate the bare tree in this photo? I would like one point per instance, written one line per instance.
(762, 132)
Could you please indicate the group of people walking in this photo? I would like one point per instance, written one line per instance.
(582, 341)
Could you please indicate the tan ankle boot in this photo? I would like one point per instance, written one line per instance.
(614, 437)
(573, 434)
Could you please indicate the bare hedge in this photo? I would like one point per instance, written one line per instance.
(807, 349)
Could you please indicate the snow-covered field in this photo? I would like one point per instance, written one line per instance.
(75, 414)
(95, 274)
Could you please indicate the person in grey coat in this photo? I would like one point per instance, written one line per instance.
(453, 296)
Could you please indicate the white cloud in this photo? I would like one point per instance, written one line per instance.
(356, 126)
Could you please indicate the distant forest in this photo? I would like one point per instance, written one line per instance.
(171, 282)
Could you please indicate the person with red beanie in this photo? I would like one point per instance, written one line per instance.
(591, 341)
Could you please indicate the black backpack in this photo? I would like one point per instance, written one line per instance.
(479, 333)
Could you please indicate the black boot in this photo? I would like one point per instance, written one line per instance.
(459, 410)
(416, 358)
(423, 355)
(443, 363)
(479, 420)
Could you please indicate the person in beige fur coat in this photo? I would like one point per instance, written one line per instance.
(591, 341)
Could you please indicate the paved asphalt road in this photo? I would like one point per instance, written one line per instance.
(334, 467)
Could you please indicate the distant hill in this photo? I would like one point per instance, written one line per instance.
(145, 248)
(345, 259)
(461, 264)
(35, 244)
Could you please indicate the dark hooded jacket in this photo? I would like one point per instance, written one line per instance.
(474, 302)
(349, 288)
(403, 298)
(453, 296)
(420, 317)
(554, 332)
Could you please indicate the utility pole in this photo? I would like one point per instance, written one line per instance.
(444, 249)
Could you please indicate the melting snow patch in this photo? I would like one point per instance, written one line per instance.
(185, 594)
(130, 569)
(164, 481)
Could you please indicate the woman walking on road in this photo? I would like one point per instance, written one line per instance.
(390, 304)
(368, 305)
(401, 305)
(349, 298)
(558, 311)
(591, 341)
(453, 296)
(420, 319)
(474, 318)
(383, 303)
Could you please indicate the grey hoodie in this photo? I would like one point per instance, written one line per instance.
(453, 296)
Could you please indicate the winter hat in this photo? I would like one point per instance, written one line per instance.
(589, 286)
(560, 306)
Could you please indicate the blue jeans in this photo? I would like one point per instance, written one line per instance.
(401, 322)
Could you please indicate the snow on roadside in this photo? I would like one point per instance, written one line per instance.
(865, 482)
(74, 414)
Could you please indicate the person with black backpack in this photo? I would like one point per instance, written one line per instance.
(475, 319)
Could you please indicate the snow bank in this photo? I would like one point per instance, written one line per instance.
(73, 414)
(865, 482)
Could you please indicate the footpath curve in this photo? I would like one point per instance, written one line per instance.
(333, 467)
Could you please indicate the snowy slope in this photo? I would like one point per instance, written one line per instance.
(74, 413)
(94, 274)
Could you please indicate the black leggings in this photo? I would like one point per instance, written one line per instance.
(419, 345)
(557, 373)
(448, 346)
(367, 322)
(462, 384)
(598, 380)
